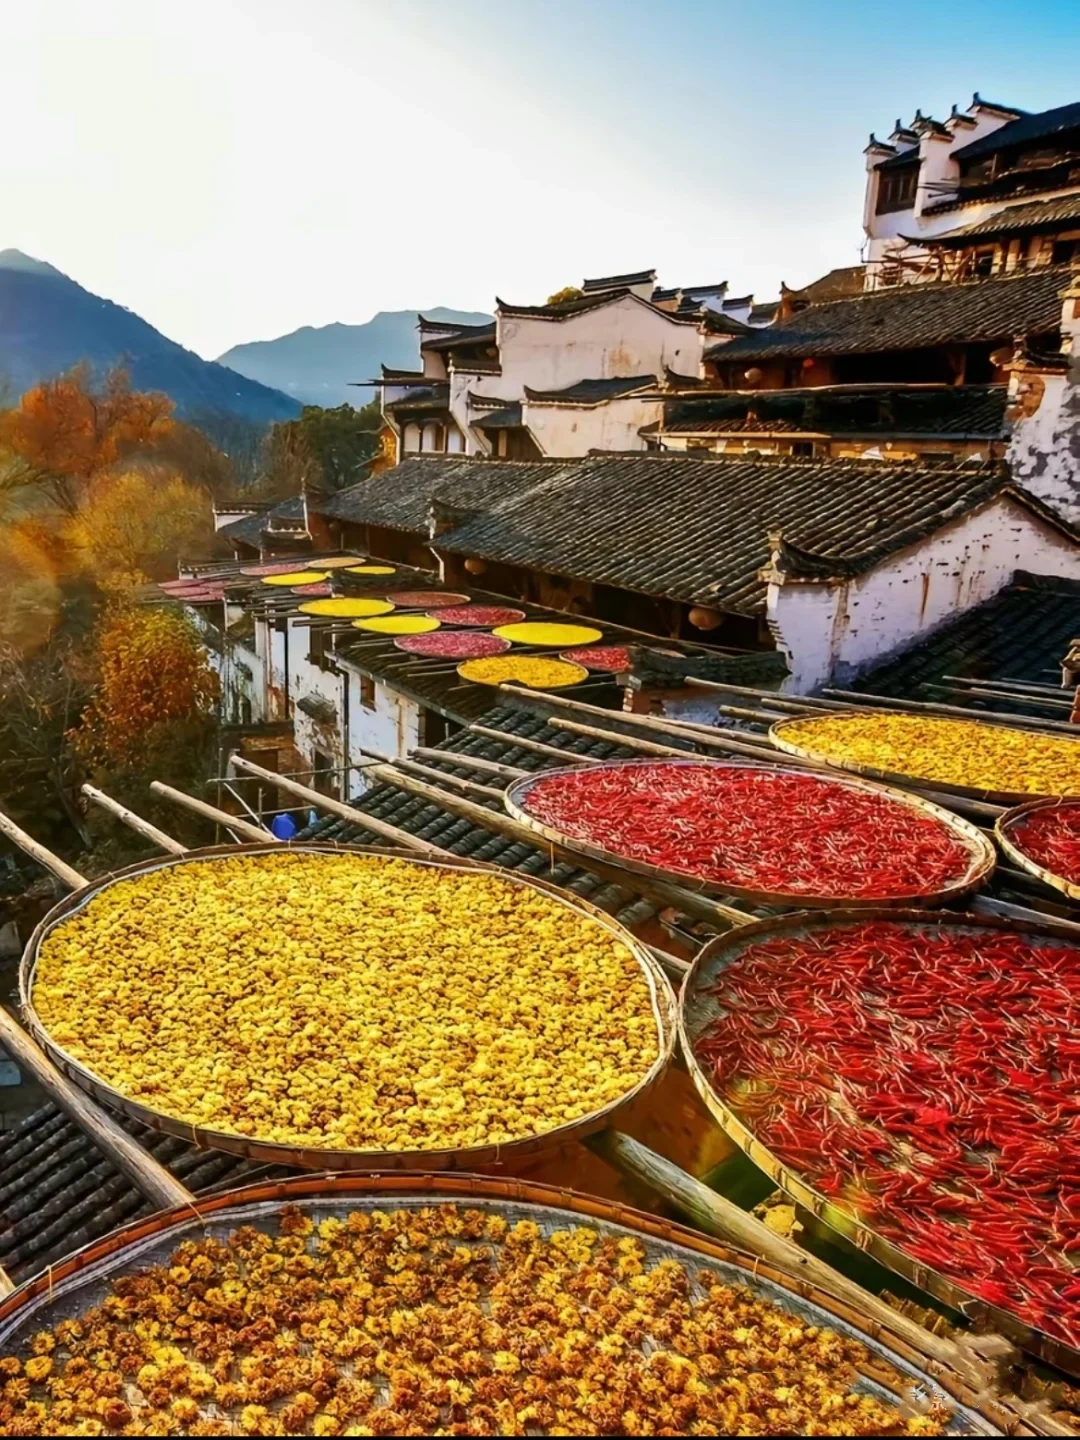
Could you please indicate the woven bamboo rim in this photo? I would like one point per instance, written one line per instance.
(313, 1157)
(1007, 823)
(892, 777)
(981, 852)
(441, 1188)
(725, 951)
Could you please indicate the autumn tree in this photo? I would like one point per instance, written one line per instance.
(568, 292)
(134, 526)
(153, 674)
(68, 429)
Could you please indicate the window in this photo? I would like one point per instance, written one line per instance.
(897, 188)
(803, 448)
(983, 263)
(367, 692)
(322, 769)
(1064, 251)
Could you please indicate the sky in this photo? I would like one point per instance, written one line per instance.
(234, 169)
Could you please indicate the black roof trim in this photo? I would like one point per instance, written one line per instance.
(613, 282)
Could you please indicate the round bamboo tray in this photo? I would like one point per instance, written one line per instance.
(311, 1157)
(698, 1010)
(1005, 827)
(982, 857)
(897, 1373)
(891, 777)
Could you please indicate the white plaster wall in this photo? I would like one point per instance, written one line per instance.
(625, 338)
(276, 687)
(392, 728)
(570, 430)
(306, 679)
(1044, 451)
(461, 382)
(833, 632)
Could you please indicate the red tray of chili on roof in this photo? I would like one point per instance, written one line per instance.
(912, 1078)
(599, 657)
(426, 599)
(766, 833)
(480, 615)
(454, 644)
(1043, 837)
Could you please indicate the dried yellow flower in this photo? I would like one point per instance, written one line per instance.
(348, 1002)
(934, 748)
(525, 670)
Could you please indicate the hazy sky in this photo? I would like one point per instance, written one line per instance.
(232, 169)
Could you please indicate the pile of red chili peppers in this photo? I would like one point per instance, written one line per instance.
(1051, 837)
(759, 828)
(930, 1079)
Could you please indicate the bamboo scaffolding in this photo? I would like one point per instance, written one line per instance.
(1032, 687)
(644, 747)
(150, 1178)
(255, 833)
(723, 917)
(134, 822)
(1041, 702)
(797, 704)
(338, 807)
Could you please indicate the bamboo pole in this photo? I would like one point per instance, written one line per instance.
(338, 807)
(1039, 702)
(71, 878)
(470, 787)
(7, 1285)
(1023, 687)
(964, 712)
(134, 822)
(646, 747)
(660, 891)
(473, 762)
(254, 833)
(717, 1216)
(987, 905)
(537, 745)
(797, 704)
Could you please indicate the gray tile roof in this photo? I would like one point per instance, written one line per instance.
(508, 418)
(694, 529)
(911, 317)
(608, 282)
(58, 1191)
(251, 529)
(1022, 132)
(592, 392)
(1022, 633)
(1036, 215)
(958, 412)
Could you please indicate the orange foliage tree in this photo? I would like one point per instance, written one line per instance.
(154, 678)
(68, 429)
(136, 525)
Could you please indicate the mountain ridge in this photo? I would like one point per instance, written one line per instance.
(318, 363)
(50, 323)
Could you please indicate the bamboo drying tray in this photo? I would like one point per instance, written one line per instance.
(1006, 825)
(82, 1280)
(698, 1010)
(314, 1158)
(982, 857)
(891, 777)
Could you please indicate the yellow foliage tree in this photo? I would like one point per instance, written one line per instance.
(30, 591)
(568, 292)
(133, 526)
(154, 675)
(68, 429)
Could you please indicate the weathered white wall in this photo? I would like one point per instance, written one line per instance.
(833, 632)
(392, 728)
(309, 680)
(569, 430)
(624, 338)
(1044, 451)
(276, 679)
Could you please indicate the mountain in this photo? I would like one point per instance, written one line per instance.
(316, 364)
(48, 323)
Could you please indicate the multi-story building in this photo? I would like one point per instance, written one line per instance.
(987, 191)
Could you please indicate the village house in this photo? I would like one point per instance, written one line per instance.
(987, 191)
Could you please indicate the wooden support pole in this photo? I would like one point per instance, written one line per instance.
(536, 745)
(134, 822)
(379, 827)
(1022, 687)
(790, 704)
(473, 762)
(70, 877)
(633, 742)
(687, 902)
(150, 1178)
(715, 1215)
(1038, 702)
(987, 905)
(253, 833)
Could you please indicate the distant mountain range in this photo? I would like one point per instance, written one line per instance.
(316, 364)
(48, 323)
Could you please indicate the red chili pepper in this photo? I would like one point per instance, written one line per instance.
(929, 1091)
(1051, 837)
(754, 826)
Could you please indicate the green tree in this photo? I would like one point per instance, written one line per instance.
(324, 449)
